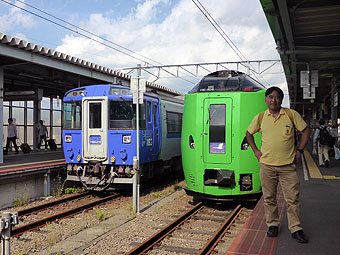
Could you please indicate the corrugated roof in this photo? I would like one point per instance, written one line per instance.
(49, 53)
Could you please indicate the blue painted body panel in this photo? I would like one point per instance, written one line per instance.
(150, 138)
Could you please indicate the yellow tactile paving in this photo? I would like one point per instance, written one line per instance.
(331, 177)
(314, 171)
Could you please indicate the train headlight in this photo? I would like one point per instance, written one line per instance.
(113, 159)
(127, 139)
(191, 142)
(68, 138)
(245, 144)
(78, 158)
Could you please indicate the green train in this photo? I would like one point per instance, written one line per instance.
(218, 162)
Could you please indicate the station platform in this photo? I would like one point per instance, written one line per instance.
(14, 163)
(320, 216)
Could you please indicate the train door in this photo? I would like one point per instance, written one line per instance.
(156, 127)
(147, 137)
(95, 114)
(217, 130)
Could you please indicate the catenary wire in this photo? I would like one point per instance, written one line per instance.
(218, 28)
(88, 37)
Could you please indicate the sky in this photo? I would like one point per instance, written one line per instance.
(150, 32)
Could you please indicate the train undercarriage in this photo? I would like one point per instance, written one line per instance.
(98, 176)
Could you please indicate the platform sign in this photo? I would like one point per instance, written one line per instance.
(141, 87)
(309, 94)
(309, 79)
(315, 78)
(304, 79)
(140, 97)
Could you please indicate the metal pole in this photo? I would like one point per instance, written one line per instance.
(136, 177)
(47, 183)
(5, 233)
(137, 130)
(1, 110)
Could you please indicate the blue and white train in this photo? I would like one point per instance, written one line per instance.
(99, 134)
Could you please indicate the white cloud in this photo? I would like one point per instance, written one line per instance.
(184, 36)
(15, 17)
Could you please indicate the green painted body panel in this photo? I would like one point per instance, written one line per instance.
(241, 107)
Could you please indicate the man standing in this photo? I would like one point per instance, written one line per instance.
(277, 159)
(43, 133)
(11, 136)
(322, 147)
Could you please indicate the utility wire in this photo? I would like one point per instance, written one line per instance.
(86, 36)
(77, 27)
(104, 39)
(213, 22)
(226, 38)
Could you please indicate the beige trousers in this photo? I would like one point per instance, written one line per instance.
(322, 151)
(289, 180)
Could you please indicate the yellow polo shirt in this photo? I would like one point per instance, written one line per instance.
(278, 145)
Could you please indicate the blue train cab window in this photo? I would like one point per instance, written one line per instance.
(154, 113)
(122, 115)
(95, 113)
(72, 115)
(148, 111)
(217, 120)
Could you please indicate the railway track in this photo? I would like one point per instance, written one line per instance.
(22, 228)
(200, 226)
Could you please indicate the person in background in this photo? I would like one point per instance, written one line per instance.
(322, 149)
(11, 136)
(43, 133)
(277, 158)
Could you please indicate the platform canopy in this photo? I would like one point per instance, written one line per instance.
(307, 35)
(29, 67)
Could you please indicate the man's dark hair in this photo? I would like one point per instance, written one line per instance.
(322, 122)
(10, 119)
(278, 90)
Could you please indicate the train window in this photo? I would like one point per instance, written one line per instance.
(154, 112)
(226, 81)
(122, 115)
(249, 83)
(218, 84)
(95, 114)
(174, 122)
(148, 111)
(72, 115)
(217, 119)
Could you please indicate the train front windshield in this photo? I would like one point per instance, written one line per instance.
(123, 115)
(72, 115)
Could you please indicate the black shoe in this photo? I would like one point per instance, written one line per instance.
(326, 163)
(322, 165)
(272, 231)
(300, 237)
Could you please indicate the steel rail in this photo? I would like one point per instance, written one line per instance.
(157, 237)
(49, 204)
(19, 230)
(216, 237)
